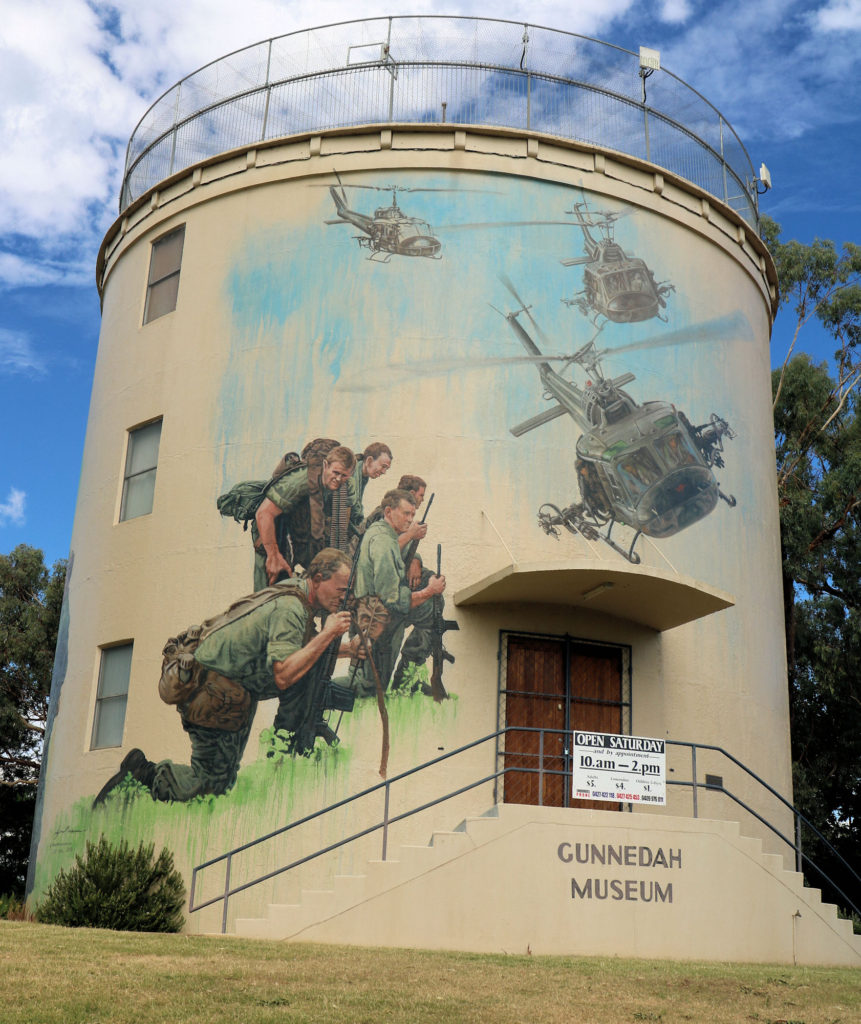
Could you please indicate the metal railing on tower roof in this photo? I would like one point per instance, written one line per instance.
(434, 69)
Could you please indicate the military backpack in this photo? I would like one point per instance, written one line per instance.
(202, 696)
(243, 499)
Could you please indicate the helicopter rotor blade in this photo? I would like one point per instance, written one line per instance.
(422, 188)
(409, 188)
(343, 193)
(506, 281)
(732, 324)
(382, 377)
(481, 225)
(379, 378)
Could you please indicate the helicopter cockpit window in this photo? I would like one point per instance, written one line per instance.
(676, 450)
(615, 283)
(638, 470)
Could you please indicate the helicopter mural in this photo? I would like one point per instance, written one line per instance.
(616, 286)
(643, 465)
(390, 231)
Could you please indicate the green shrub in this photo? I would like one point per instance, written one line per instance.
(115, 887)
(13, 908)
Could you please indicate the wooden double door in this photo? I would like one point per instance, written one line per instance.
(557, 685)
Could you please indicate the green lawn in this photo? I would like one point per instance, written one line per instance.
(85, 976)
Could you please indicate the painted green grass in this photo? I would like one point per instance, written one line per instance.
(55, 975)
(268, 793)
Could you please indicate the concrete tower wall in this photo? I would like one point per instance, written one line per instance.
(288, 327)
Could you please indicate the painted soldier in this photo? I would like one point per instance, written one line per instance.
(381, 571)
(264, 647)
(417, 487)
(310, 506)
(371, 464)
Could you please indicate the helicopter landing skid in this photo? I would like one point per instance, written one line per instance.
(574, 520)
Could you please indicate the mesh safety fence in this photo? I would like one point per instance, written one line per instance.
(427, 70)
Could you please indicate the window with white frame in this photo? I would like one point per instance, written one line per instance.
(139, 476)
(163, 281)
(111, 697)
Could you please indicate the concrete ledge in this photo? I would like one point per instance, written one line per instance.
(640, 594)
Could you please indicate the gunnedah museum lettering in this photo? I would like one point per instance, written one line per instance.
(628, 889)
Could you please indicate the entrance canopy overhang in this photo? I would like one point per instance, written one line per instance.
(644, 595)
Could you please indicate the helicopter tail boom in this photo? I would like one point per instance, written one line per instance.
(552, 413)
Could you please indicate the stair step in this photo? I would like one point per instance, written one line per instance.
(450, 842)
(349, 890)
(481, 829)
(382, 875)
(363, 898)
(417, 859)
(773, 861)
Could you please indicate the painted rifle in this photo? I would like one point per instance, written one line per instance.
(323, 694)
(438, 628)
(409, 552)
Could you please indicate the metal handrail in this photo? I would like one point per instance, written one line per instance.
(798, 850)
(798, 817)
(235, 101)
(389, 820)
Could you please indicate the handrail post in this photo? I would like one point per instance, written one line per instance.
(391, 90)
(694, 776)
(386, 820)
(541, 768)
(528, 100)
(268, 94)
(226, 894)
(799, 856)
(175, 128)
(723, 161)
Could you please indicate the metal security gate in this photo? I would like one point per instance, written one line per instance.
(549, 687)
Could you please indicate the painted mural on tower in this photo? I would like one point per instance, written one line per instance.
(565, 330)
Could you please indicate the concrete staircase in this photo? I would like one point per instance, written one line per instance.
(564, 881)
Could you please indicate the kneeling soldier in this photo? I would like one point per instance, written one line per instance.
(265, 646)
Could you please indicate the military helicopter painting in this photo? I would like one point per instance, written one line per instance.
(643, 465)
(616, 286)
(390, 231)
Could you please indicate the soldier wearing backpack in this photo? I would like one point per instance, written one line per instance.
(264, 646)
(310, 502)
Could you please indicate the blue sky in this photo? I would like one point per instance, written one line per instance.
(76, 76)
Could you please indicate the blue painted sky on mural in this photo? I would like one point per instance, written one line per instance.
(76, 77)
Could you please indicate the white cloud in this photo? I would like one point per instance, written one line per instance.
(21, 272)
(675, 11)
(838, 16)
(12, 510)
(17, 355)
(77, 76)
(764, 69)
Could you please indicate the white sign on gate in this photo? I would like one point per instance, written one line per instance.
(606, 766)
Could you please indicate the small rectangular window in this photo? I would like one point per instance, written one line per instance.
(139, 478)
(110, 716)
(163, 280)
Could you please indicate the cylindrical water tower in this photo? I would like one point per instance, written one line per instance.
(523, 267)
